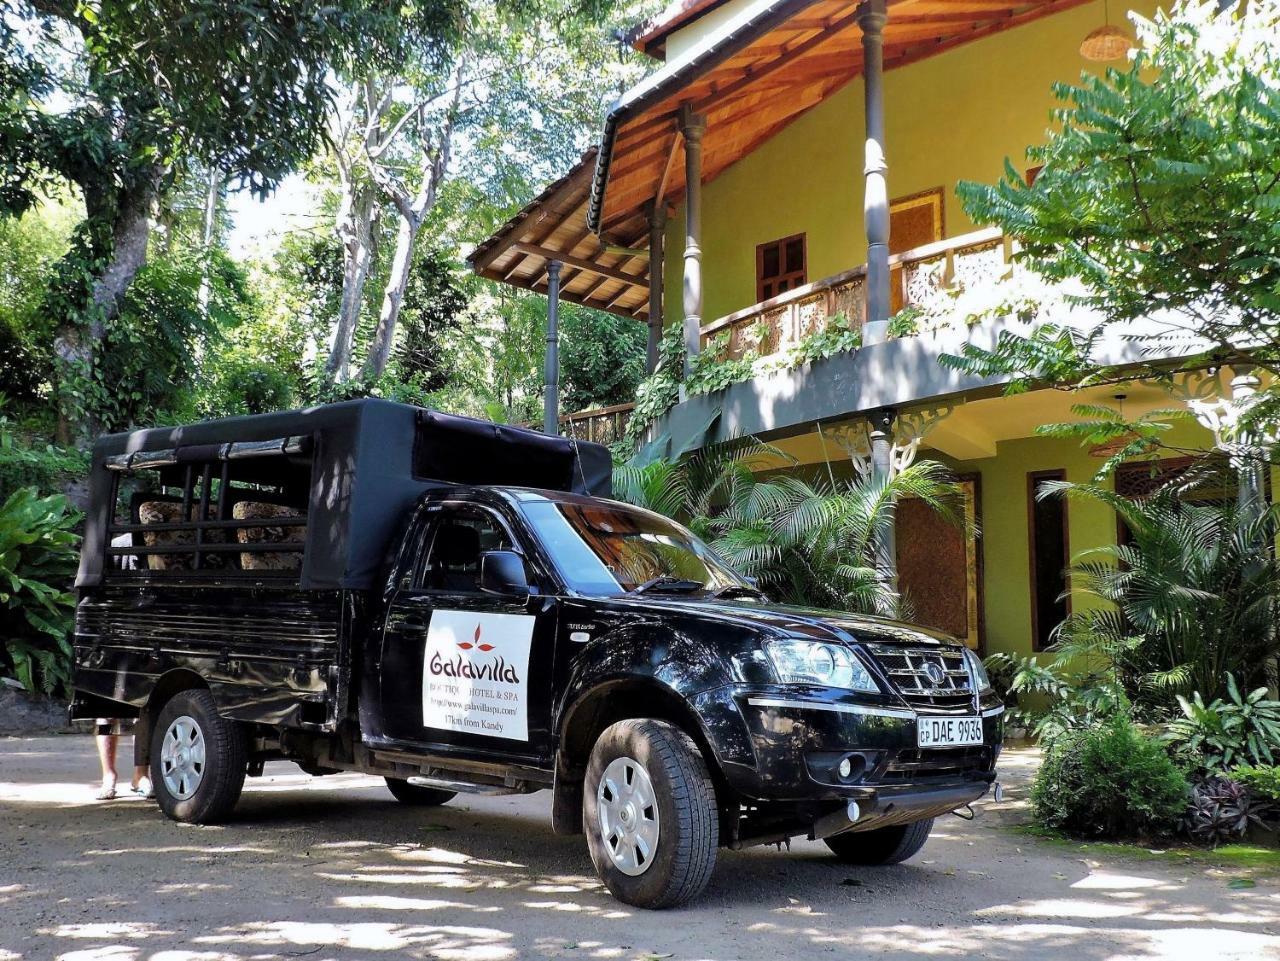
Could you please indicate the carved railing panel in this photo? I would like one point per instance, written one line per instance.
(963, 262)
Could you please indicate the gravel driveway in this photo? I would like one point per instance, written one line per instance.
(334, 868)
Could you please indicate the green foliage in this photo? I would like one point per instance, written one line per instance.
(1237, 729)
(714, 369)
(1159, 189)
(1189, 600)
(1158, 195)
(1077, 689)
(601, 358)
(433, 303)
(38, 553)
(1108, 780)
(27, 463)
(1222, 809)
(808, 543)
(1262, 779)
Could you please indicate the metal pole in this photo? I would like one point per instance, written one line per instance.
(886, 548)
(871, 20)
(551, 394)
(692, 126)
(657, 227)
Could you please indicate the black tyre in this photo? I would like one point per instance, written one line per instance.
(416, 794)
(881, 846)
(649, 812)
(198, 759)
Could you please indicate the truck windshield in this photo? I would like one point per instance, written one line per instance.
(609, 549)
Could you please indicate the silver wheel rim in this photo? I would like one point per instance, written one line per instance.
(182, 758)
(628, 810)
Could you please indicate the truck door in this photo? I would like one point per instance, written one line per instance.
(464, 670)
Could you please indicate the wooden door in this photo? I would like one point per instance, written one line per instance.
(913, 222)
(940, 567)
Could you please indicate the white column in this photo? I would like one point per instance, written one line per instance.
(692, 127)
(871, 20)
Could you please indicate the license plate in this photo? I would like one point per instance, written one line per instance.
(948, 731)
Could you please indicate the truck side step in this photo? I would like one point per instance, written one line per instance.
(466, 787)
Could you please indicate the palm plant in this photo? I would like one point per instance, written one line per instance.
(1191, 598)
(808, 543)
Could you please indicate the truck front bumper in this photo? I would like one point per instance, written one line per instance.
(776, 745)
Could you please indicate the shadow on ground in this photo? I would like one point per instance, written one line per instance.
(334, 868)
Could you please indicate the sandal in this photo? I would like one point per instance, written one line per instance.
(144, 789)
(107, 793)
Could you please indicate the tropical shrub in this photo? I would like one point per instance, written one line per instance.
(1190, 599)
(46, 467)
(1223, 808)
(1077, 688)
(1262, 779)
(809, 543)
(37, 562)
(1238, 729)
(1109, 780)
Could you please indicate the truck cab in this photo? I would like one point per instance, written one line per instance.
(410, 610)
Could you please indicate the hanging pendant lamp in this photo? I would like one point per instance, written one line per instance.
(1106, 43)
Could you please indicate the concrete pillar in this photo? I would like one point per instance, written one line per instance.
(551, 390)
(871, 20)
(880, 424)
(657, 227)
(692, 127)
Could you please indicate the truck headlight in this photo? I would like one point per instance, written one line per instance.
(977, 671)
(816, 662)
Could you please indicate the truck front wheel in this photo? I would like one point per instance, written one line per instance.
(197, 759)
(417, 795)
(881, 846)
(649, 811)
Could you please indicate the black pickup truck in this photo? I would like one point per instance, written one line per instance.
(457, 606)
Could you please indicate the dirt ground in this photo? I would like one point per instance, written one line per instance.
(334, 868)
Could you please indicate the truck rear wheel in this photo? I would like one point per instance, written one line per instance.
(197, 759)
(649, 811)
(416, 794)
(881, 846)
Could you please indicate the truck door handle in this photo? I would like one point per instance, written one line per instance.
(413, 622)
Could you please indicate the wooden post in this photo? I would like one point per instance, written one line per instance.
(657, 213)
(551, 394)
(871, 20)
(692, 127)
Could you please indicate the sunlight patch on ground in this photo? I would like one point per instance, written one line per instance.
(450, 942)
(111, 952)
(572, 907)
(373, 902)
(105, 929)
(55, 793)
(1106, 881)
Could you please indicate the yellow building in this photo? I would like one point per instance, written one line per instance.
(793, 163)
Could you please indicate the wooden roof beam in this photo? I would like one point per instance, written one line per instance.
(635, 280)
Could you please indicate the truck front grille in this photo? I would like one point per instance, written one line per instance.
(915, 765)
(927, 676)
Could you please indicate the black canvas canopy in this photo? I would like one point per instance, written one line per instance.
(369, 462)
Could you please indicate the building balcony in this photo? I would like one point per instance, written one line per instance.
(917, 276)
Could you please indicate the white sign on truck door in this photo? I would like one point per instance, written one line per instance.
(475, 674)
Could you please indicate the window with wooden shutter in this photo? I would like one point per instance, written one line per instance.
(780, 266)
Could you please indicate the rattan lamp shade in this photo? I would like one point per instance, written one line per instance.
(1105, 43)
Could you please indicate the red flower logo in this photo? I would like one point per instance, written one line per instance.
(467, 645)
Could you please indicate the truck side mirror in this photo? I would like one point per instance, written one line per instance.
(502, 572)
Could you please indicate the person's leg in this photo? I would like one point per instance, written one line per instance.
(107, 759)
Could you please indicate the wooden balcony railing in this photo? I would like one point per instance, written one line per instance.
(604, 425)
(981, 257)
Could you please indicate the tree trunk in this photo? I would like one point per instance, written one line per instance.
(392, 298)
(355, 230)
(78, 339)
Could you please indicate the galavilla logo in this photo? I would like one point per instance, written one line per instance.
(496, 669)
(466, 645)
